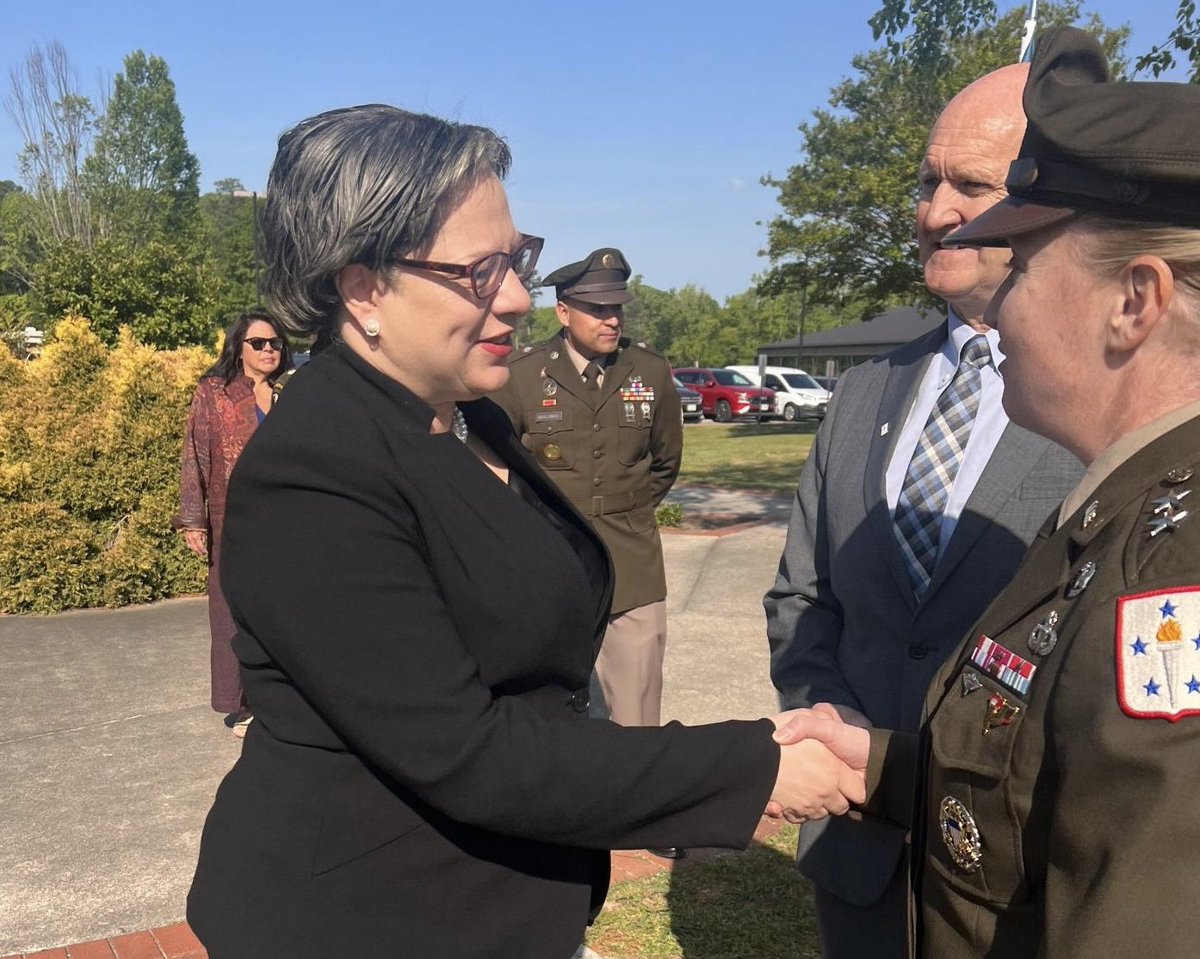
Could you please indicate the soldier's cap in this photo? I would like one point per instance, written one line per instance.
(600, 277)
(1092, 145)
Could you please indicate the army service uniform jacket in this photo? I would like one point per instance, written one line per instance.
(614, 452)
(1055, 816)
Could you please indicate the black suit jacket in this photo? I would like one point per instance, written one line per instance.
(416, 640)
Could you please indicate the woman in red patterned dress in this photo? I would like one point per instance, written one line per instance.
(231, 399)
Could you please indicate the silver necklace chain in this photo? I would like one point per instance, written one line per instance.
(460, 425)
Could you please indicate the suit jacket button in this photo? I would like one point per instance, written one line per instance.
(917, 651)
(580, 701)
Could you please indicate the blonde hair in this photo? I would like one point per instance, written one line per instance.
(1109, 243)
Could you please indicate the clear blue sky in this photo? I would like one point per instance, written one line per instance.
(643, 125)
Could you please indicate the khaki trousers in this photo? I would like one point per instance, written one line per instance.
(630, 664)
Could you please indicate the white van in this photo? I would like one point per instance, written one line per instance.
(797, 395)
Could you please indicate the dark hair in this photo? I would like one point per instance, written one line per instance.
(229, 364)
(353, 186)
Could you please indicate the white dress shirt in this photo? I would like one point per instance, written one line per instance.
(990, 422)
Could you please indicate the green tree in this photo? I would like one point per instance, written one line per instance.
(918, 30)
(143, 179)
(228, 230)
(846, 234)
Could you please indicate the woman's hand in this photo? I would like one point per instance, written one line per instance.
(823, 766)
(197, 541)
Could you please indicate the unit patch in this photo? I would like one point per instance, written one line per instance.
(1158, 654)
(1003, 665)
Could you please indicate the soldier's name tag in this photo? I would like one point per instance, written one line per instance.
(1003, 665)
(549, 416)
(1158, 654)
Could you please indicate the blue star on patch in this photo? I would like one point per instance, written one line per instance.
(1193, 684)
(1138, 647)
(1167, 609)
(1152, 688)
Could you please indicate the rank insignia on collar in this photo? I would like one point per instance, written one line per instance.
(1082, 579)
(960, 834)
(1089, 514)
(1000, 712)
(1166, 521)
(1158, 654)
(1003, 665)
(1169, 503)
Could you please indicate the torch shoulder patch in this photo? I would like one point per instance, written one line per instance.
(1158, 653)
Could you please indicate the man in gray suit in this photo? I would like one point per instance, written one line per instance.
(914, 508)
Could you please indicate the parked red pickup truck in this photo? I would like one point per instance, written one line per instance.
(727, 394)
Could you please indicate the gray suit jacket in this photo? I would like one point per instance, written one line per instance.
(842, 620)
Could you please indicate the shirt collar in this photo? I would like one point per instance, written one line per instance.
(959, 333)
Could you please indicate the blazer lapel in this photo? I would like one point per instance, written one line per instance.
(1011, 462)
(898, 396)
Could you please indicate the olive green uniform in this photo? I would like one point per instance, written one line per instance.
(1056, 801)
(614, 452)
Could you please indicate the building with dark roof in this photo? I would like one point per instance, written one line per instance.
(830, 352)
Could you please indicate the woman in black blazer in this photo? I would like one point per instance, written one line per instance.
(417, 632)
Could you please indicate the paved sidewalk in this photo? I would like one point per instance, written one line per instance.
(111, 753)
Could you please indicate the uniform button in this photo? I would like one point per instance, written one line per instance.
(596, 427)
(596, 481)
(917, 651)
(580, 701)
(596, 454)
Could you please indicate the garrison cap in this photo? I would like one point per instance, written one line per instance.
(1092, 145)
(600, 277)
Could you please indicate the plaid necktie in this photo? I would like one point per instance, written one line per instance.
(935, 463)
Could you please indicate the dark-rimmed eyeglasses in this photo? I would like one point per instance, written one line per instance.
(259, 343)
(488, 272)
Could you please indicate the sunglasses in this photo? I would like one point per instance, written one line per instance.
(260, 343)
(488, 272)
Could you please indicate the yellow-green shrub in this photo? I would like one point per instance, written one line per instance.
(89, 473)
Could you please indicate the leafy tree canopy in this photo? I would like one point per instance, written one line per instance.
(847, 227)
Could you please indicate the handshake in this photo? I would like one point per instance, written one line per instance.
(823, 762)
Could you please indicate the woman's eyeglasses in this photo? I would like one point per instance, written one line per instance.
(488, 272)
(260, 343)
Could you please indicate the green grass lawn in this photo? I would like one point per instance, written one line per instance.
(746, 455)
(751, 905)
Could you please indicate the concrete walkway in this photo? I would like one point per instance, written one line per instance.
(111, 753)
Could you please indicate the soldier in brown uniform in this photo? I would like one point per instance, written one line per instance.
(602, 417)
(1058, 766)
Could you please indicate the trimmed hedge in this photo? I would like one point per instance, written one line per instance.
(90, 438)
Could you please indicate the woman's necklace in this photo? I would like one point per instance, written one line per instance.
(460, 425)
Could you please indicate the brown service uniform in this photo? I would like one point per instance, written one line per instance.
(1059, 820)
(614, 452)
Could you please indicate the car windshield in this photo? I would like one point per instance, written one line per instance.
(731, 378)
(801, 381)
(679, 384)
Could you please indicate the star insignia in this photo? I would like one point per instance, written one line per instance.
(1138, 647)
(1196, 640)
(1152, 688)
(1166, 521)
(1193, 684)
(1167, 609)
(1169, 503)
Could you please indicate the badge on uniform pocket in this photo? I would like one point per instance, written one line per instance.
(1158, 654)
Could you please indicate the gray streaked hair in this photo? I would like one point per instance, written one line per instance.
(355, 185)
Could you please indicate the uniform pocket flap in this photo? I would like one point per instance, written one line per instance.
(976, 724)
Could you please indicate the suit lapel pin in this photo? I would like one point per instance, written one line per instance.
(1000, 712)
(1044, 638)
(970, 682)
(883, 430)
(1082, 579)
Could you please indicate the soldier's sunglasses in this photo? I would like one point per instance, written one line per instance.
(488, 272)
(259, 343)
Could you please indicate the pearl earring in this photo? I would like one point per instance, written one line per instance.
(371, 327)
